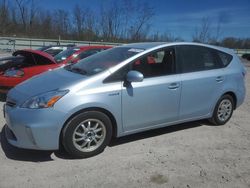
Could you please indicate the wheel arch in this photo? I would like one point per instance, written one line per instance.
(233, 95)
(106, 112)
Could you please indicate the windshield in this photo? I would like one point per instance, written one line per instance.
(102, 61)
(43, 48)
(65, 54)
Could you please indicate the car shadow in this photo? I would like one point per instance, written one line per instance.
(15, 153)
(156, 132)
(18, 154)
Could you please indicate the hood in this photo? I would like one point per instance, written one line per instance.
(36, 53)
(4, 60)
(48, 81)
(25, 58)
(9, 62)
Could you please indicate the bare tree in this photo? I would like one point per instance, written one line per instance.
(165, 37)
(79, 19)
(110, 21)
(91, 29)
(218, 31)
(13, 15)
(84, 23)
(214, 39)
(44, 24)
(4, 17)
(32, 13)
(232, 42)
(203, 33)
(61, 22)
(141, 25)
(22, 6)
(122, 21)
(126, 20)
(127, 15)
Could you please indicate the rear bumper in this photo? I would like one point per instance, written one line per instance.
(241, 94)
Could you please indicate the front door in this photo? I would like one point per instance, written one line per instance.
(155, 100)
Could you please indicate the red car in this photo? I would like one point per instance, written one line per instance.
(27, 63)
(74, 54)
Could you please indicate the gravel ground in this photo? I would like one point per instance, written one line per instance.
(186, 155)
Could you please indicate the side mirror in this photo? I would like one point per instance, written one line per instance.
(134, 76)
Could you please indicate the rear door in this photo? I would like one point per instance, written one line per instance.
(202, 80)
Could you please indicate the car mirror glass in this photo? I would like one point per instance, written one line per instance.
(134, 76)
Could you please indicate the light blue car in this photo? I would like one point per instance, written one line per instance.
(121, 91)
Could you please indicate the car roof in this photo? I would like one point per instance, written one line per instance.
(90, 47)
(149, 45)
(57, 47)
(144, 45)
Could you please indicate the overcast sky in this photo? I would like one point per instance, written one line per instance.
(181, 17)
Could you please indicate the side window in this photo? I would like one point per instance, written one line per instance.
(40, 60)
(224, 58)
(53, 52)
(209, 60)
(196, 58)
(88, 53)
(118, 75)
(157, 63)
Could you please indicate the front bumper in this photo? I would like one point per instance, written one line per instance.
(33, 128)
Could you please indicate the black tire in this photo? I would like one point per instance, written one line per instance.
(217, 119)
(76, 126)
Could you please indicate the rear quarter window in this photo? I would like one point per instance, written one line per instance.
(224, 58)
(192, 58)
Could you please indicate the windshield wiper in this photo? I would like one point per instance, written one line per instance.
(78, 70)
(75, 69)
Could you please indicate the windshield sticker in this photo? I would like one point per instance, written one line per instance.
(136, 50)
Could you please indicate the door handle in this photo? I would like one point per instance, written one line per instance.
(173, 86)
(219, 79)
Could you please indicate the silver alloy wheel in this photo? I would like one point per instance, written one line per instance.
(225, 110)
(89, 135)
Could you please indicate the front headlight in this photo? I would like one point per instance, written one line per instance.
(14, 73)
(45, 100)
